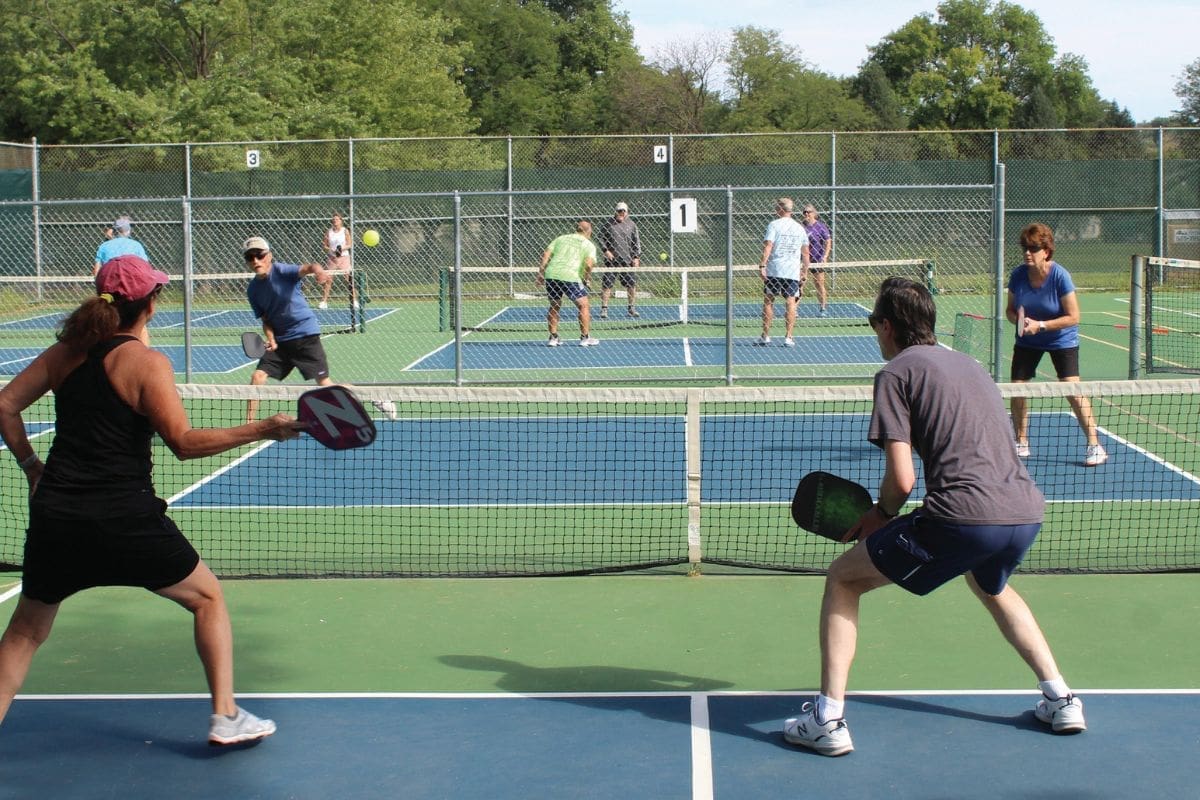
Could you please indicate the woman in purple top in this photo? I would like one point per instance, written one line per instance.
(1044, 289)
(819, 240)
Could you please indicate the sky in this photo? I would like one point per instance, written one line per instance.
(1135, 51)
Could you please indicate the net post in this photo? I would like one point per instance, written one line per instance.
(692, 428)
(930, 284)
(1137, 283)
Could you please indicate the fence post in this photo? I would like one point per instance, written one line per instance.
(37, 216)
(998, 257)
(188, 271)
(1137, 284)
(728, 285)
(457, 289)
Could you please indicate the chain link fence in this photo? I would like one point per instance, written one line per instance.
(463, 223)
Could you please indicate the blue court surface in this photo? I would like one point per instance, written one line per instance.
(691, 746)
(651, 352)
(665, 313)
(531, 463)
(206, 358)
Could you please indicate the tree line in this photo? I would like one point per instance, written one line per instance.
(93, 71)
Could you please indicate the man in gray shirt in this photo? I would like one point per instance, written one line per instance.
(622, 248)
(980, 515)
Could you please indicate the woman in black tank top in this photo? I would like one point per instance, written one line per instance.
(95, 519)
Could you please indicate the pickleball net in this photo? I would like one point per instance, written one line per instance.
(508, 298)
(1172, 314)
(539, 481)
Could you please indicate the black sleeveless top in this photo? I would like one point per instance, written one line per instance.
(99, 464)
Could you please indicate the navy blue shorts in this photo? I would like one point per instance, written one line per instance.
(306, 354)
(783, 287)
(919, 553)
(556, 289)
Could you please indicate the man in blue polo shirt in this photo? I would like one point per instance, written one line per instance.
(119, 244)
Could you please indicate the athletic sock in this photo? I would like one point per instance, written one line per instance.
(828, 709)
(1054, 688)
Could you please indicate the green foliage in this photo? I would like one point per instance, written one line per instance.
(539, 67)
(774, 89)
(982, 64)
(157, 70)
(1188, 91)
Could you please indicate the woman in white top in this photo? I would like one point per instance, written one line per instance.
(337, 259)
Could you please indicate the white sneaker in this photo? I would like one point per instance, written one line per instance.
(1095, 455)
(789, 342)
(1064, 715)
(322, 305)
(588, 341)
(245, 727)
(763, 340)
(830, 738)
(1022, 449)
(354, 305)
(554, 341)
(603, 312)
(386, 406)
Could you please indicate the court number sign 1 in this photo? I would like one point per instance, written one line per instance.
(683, 215)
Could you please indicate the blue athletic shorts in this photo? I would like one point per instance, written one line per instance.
(556, 289)
(783, 287)
(919, 553)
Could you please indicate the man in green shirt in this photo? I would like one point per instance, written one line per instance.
(566, 266)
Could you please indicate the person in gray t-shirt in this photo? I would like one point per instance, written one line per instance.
(980, 514)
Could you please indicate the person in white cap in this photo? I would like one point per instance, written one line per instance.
(119, 243)
(622, 248)
(94, 516)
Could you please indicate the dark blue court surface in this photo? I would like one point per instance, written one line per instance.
(212, 358)
(535, 460)
(605, 746)
(532, 353)
(662, 312)
(220, 357)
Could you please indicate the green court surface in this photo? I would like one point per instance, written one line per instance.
(636, 633)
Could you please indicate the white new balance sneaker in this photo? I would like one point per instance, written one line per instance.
(831, 738)
(1095, 455)
(1064, 715)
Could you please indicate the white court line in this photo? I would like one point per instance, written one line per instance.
(13, 592)
(702, 773)
(687, 352)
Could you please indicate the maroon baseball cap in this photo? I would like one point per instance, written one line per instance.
(130, 277)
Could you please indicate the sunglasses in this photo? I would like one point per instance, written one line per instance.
(255, 255)
(1032, 248)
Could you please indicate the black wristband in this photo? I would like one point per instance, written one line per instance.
(885, 514)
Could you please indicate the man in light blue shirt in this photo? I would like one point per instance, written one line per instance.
(784, 267)
(121, 244)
